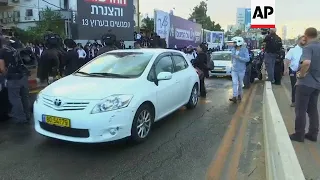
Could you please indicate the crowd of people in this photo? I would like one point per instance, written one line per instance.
(54, 59)
(303, 66)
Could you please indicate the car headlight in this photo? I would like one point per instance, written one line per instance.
(111, 103)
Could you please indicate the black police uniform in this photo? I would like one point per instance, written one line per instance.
(5, 106)
(17, 84)
(279, 67)
(109, 41)
(247, 76)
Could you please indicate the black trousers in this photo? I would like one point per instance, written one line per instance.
(278, 72)
(203, 91)
(306, 102)
(247, 76)
(293, 80)
(5, 106)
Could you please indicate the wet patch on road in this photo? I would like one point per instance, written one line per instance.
(180, 147)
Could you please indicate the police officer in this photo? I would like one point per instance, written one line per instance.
(108, 40)
(17, 82)
(5, 106)
(273, 45)
(247, 75)
(279, 67)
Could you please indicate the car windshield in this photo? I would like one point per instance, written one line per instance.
(117, 64)
(221, 56)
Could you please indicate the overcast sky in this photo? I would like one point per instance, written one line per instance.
(295, 14)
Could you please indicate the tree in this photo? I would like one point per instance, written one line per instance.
(148, 24)
(200, 15)
(227, 35)
(50, 20)
(238, 32)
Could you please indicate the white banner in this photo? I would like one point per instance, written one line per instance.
(162, 24)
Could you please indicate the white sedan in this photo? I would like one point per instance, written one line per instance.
(222, 63)
(117, 95)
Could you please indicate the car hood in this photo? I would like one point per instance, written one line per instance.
(78, 87)
(222, 63)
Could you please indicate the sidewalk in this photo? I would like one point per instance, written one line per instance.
(308, 152)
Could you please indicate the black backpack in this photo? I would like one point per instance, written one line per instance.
(18, 63)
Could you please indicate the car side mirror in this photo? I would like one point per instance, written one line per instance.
(164, 76)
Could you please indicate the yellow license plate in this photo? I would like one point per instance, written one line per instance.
(57, 121)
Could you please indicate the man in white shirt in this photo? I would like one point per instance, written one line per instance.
(190, 53)
(292, 61)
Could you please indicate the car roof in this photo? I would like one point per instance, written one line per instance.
(147, 50)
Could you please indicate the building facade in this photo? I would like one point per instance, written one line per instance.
(25, 13)
(240, 17)
(243, 18)
(232, 28)
(284, 33)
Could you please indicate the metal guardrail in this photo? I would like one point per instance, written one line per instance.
(281, 160)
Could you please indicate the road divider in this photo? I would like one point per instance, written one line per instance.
(281, 159)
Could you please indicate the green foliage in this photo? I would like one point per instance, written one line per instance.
(22, 34)
(148, 24)
(260, 42)
(238, 32)
(49, 20)
(228, 36)
(200, 15)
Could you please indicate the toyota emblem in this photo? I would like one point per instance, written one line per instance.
(57, 102)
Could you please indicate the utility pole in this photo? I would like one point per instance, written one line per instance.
(138, 12)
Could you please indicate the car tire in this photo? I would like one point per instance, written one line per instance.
(194, 97)
(143, 121)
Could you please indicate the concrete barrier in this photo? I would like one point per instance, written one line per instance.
(281, 160)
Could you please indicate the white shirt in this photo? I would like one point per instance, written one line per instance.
(138, 37)
(191, 56)
(82, 53)
(294, 56)
(41, 50)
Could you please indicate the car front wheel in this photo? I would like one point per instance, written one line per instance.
(194, 97)
(142, 123)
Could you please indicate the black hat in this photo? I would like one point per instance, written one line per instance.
(70, 43)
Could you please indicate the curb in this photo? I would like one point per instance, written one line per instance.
(34, 88)
(281, 159)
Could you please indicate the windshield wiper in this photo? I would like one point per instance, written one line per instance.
(110, 75)
(88, 74)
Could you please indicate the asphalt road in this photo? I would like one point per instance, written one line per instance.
(215, 138)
